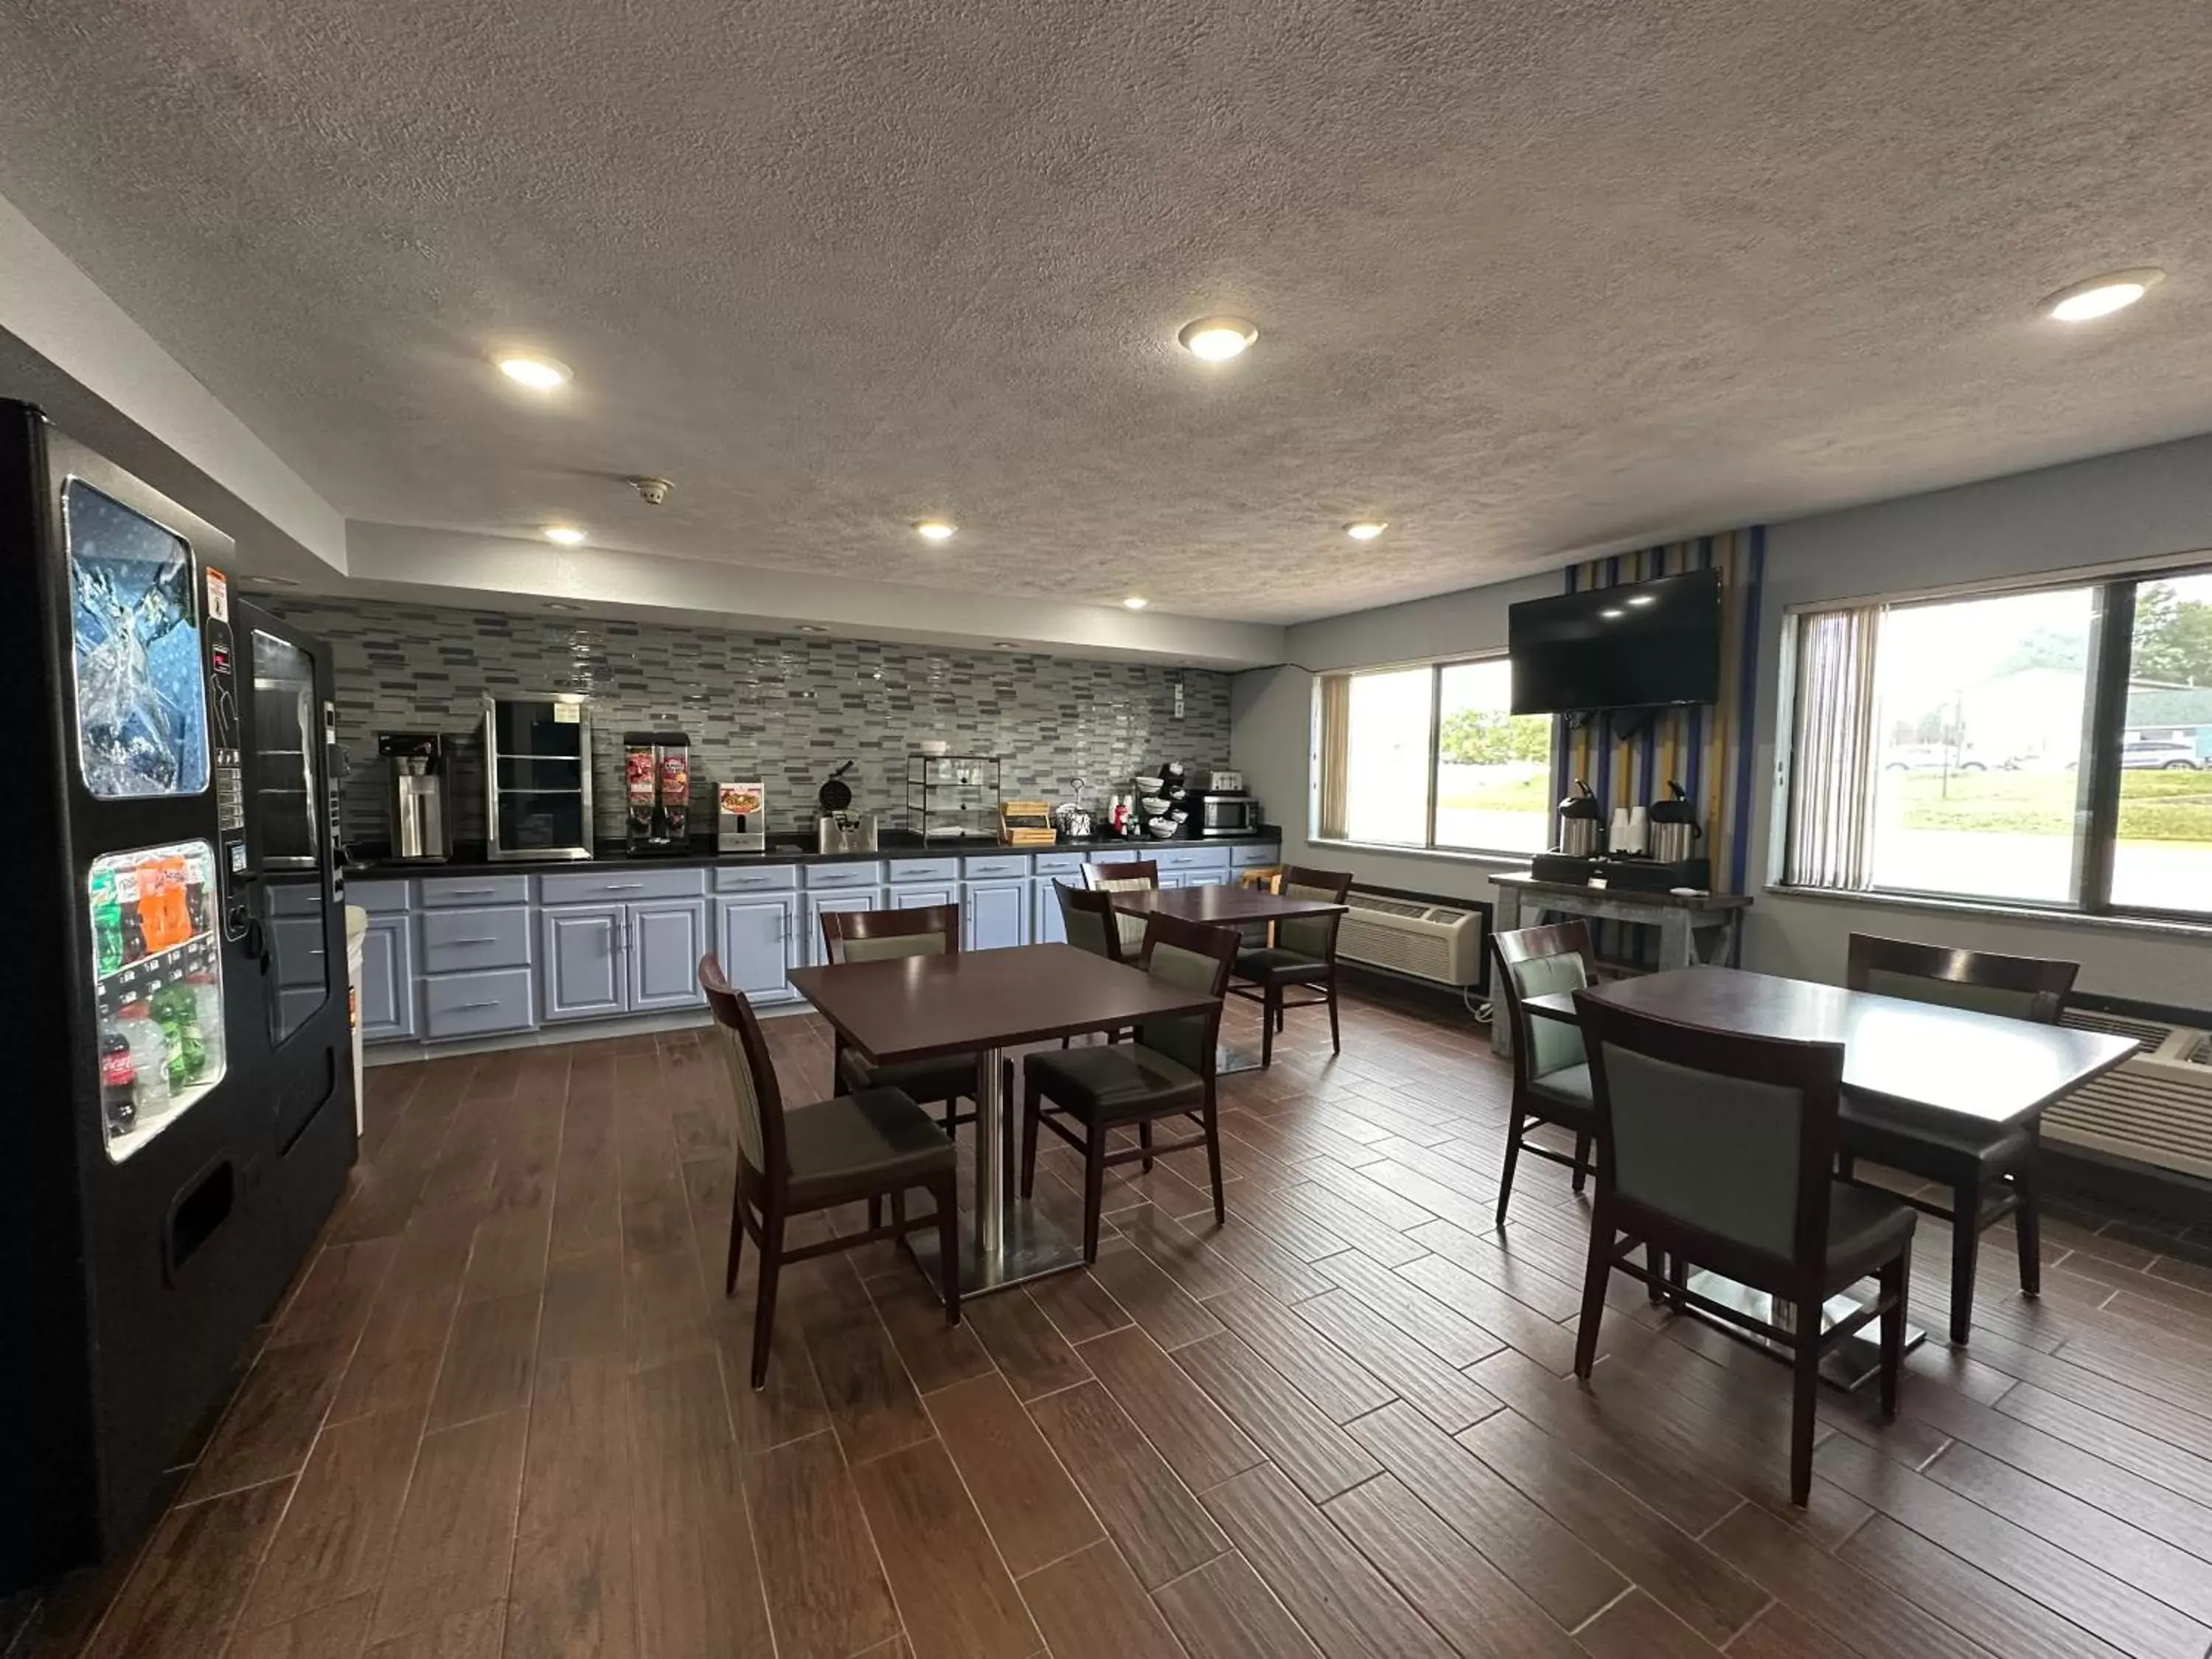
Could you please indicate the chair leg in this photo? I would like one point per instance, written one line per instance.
(1144, 1141)
(1965, 1250)
(1678, 1283)
(948, 1245)
(1213, 1118)
(1655, 1264)
(1032, 1109)
(898, 1209)
(1895, 1280)
(1335, 1038)
(737, 1242)
(1600, 1269)
(1270, 1022)
(1805, 1393)
(875, 1212)
(771, 1268)
(1512, 1157)
(1582, 1161)
(2028, 1227)
(1845, 1164)
(1094, 1188)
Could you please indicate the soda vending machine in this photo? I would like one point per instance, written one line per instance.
(178, 1117)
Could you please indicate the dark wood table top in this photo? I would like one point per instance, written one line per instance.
(1944, 1061)
(916, 1007)
(1225, 907)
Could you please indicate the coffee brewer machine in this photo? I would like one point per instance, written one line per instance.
(657, 791)
(422, 829)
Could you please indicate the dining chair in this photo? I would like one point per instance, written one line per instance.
(1551, 1078)
(1130, 876)
(872, 936)
(1990, 1171)
(875, 1145)
(1165, 1070)
(1303, 953)
(1087, 919)
(1719, 1151)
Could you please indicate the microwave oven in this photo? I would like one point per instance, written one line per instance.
(1227, 815)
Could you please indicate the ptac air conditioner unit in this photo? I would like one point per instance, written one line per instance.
(1414, 936)
(2155, 1108)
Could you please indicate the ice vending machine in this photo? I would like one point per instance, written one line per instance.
(178, 1117)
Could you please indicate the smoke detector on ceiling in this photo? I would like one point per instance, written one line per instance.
(651, 491)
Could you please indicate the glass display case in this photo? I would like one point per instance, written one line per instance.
(538, 763)
(157, 970)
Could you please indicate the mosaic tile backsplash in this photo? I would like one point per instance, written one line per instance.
(785, 707)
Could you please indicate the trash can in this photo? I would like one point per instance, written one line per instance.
(356, 930)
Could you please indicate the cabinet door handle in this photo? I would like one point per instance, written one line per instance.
(465, 1007)
(624, 886)
(471, 941)
(472, 892)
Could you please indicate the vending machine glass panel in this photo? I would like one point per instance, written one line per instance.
(157, 971)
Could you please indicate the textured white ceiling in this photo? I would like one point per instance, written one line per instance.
(1530, 276)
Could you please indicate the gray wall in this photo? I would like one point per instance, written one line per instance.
(2140, 504)
(783, 708)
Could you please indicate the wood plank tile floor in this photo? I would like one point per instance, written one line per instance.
(502, 1415)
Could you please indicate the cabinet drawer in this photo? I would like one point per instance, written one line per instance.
(1255, 856)
(746, 879)
(868, 873)
(294, 898)
(496, 938)
(1058, 864)
(995, 867)
(924, 869)
(621, 886)
(472, 1005)
(475, 889)
(379, 898)
(1193, 858)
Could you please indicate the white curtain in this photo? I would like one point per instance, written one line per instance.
(1834, 753)
(1335, 756)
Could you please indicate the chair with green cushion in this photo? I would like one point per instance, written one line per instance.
(1166, 1070)
(1303, 953)
(1130, 876)
(876, 1144)
(1551, 1081)
(1719, 1151)
(872, 936)
(1991, 1174)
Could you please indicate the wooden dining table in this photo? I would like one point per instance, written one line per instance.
(1942, 1065)
(982, 1002)
(1224, 907)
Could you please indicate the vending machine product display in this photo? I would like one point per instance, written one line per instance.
(180, 1119)
(657, 791)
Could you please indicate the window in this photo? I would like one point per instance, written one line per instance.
(2050, 747)
(1433, 758)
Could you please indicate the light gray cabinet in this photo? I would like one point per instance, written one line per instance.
(861, 899)
(995, 915)
(387, 978)
(665, 941)
(758, 940)
(921, 896)
(583, 960)
(1047, 924)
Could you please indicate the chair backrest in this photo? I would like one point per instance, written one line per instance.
(1981, 982)
(1720, 1133)
(1534, 962)
(1123, 877)
(873, 935)
(1087, 919)
(1192, 956)
(1312, 936)
(752, 1072)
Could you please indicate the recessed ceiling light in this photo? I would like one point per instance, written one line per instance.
(1134, 601)
(1642, 598)
(812, 628)
(568, 535)
(1004, 645)
(538, 374)
(935, 530)
(562, 605)
(1612, 611)
(1367, 529)
(2100, 296)
(1216, 339)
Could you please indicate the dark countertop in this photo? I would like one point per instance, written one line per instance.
(468, 860)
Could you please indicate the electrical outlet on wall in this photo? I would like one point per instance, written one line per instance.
(1178, 699)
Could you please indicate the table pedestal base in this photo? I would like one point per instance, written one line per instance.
(1853, 1362)
(1029, 1248)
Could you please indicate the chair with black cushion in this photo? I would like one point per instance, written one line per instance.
(872, 936)
(1130, 876)
(1303, 953)
(1087, 919)
(874, 1145)
(1719, 1152)
(1991, 1172)
(1165, 1070)
(1551, 1079)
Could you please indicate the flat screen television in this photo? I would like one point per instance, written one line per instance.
(1638, 646)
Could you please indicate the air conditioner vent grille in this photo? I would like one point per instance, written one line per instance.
(1437, 942)
(2156, 1108)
